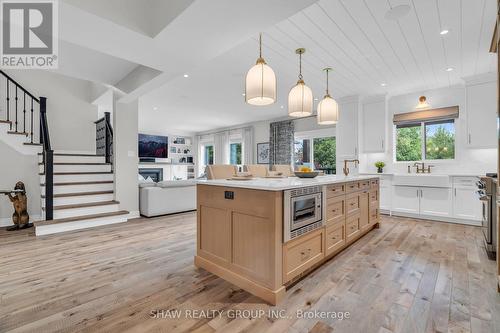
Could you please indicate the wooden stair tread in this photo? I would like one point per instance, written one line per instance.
(79, 218)
(76, 194)
(82, 183)
(18, 133)
(77, 163)
(85, 205)
(32, 144)
(79, 173)
(5, 122)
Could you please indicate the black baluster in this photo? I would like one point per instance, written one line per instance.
(24, 113)
(8, 105)
(31, 120)
(16, 108)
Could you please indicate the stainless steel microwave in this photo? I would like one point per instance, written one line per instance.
(303, 211)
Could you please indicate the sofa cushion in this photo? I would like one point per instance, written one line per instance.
(177, 183)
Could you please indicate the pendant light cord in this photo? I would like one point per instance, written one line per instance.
(300, 66)
(260, 45)
(327, 81)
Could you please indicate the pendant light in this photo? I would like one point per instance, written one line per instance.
(260, 83)
(328, 109)
(300, 98)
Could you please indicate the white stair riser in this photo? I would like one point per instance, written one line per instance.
(81, 199)
(72, 212)
(79, 178)
(75, 159)
(16, 141)
(79, 168)
(77, 225)
(81, 188)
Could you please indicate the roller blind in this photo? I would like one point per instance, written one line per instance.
(450, 112)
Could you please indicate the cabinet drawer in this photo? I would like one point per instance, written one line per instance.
(374, 197)
(353, 204)
(352, 227)
(302, 253)
(374, 215)
(335, 190)
(352, 187)
(364, 184)
(335, 238)
(335, 210)
(374, 183)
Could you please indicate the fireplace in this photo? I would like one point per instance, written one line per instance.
(155, 173)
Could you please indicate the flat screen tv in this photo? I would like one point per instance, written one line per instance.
(153, 146)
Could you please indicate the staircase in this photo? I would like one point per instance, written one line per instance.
(77, 189)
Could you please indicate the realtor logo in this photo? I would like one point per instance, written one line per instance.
(29, 34)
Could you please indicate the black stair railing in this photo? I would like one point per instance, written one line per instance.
(104, 138)
(13, 88)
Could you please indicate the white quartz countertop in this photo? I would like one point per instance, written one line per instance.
(280, 184)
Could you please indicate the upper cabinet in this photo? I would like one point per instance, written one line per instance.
(481, 114)
(374, 126)
(347, 128)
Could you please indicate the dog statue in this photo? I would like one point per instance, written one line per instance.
(20, 202)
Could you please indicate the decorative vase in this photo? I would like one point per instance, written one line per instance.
(380, 170)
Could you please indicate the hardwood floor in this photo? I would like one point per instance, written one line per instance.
(407, 276)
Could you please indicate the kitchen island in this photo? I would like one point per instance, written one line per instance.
(264, 234)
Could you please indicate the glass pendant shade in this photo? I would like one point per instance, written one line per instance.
(260, 84)
(328, 111)
(300, 100)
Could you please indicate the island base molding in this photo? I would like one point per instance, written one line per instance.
(272, 297)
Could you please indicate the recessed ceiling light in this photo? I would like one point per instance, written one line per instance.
(383, 84)
(397, 12)
(243, 94)
(449, 69)
(316, 99)
(282, 106)
(186, 75)
(155, 108)
(443, 32)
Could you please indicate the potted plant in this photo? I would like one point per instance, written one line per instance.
(380, 165)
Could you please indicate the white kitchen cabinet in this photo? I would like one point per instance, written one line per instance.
(385, 194)
(374, 127)
(435, 201)
(481, 115)
(347, 130)
(406, 199)
(466, 204)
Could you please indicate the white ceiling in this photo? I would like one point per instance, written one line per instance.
(215, 42)
(354, 38)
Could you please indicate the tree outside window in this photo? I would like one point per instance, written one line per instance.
(325, 154)
(235, 153)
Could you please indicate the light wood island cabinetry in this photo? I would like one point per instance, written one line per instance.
(240, 232)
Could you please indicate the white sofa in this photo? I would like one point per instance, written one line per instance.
(167, 197)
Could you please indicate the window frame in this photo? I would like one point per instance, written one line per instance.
(423, 136)
(232, 142)
(311, 135)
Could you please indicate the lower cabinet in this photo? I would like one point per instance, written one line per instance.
(406, 199)
(352, 227)
(435, 201)
(335, 238)
(303, 253)
(466, 204)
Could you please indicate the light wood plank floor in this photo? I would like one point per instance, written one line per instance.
(407, 276)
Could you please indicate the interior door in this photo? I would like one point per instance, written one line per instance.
(406, 199)
(435, 201)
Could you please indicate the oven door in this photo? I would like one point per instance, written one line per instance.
(305, 209)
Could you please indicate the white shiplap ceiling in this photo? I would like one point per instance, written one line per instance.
(352, 36)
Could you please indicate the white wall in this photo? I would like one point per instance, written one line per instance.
(70, 114)
(18, 167)
(125, 156)
(467, 160)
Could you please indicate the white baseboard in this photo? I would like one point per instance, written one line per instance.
(437, 218)
(134, 214)
(7, 221)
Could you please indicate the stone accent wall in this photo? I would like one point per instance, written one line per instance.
(281, 142)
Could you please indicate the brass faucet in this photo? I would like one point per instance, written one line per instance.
(421, 167)
(346, 169)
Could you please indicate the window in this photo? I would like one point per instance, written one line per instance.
(325, 154)
(432, 140)
(208, 154)
(235, 153)
(316, 149)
